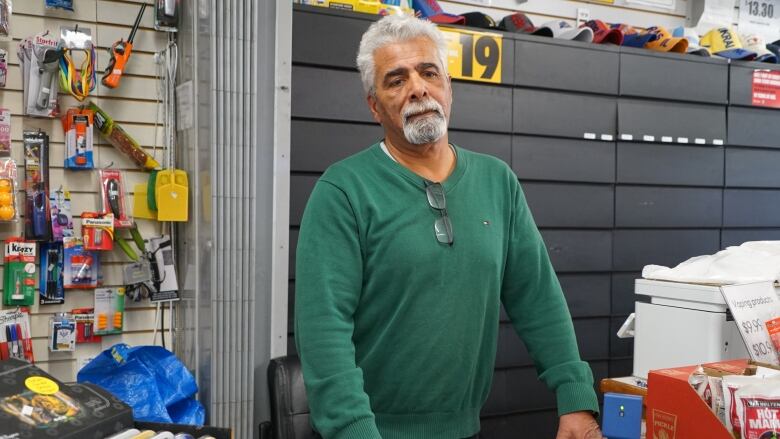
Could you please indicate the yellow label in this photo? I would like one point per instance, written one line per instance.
(42, 385)
(473, 56)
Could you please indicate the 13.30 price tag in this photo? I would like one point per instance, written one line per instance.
(473, 56)
(753, 305)
(760, 17)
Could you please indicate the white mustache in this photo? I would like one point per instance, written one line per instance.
(415, 108)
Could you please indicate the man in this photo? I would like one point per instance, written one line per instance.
(405, 253)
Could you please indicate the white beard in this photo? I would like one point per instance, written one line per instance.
(425, 129)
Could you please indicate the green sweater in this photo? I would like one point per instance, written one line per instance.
(397, 332)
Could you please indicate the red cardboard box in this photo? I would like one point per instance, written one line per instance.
(675, 411)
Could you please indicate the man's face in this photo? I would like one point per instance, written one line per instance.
(413, 94)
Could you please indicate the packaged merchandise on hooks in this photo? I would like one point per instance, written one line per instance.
(19, 272)
(39, 58)
(166, 15)
(79, 82)
(109, 310)
(163, 269)
(97, 230)
(15, 335)
(79, 144)
(5, 132)
(81, 267)
(3, 67)
(113, 196)
(62, 332)
(8, 205)
(50, 285)
(121, 140)
(85, 325)
(6, 8)
(36, 186)
(172, 195)
(120, 55)
(61, 219)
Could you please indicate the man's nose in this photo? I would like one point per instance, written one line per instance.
(419, 89)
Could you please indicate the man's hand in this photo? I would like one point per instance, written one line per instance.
(578, 425)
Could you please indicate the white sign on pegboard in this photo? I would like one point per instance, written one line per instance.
(760, 18)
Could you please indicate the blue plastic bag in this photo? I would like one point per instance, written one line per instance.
(150, 379)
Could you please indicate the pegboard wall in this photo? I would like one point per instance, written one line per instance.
(135, 106)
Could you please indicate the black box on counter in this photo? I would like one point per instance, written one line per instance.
(33, 404)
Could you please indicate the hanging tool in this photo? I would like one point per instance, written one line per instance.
(172, 195)
(120, 54)
(49, 63)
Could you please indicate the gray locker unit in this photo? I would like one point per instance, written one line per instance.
(753, 126)
(741, 80)
(668, 207)
(751, 208)
(636, 248)
(605, 206)
(673, 76)
(547, 63)
(579, 250)
(671, 122)
(543, 158)
(557, 114)
(752, 167)
(570, 205)
(669, 165)
(731, 237)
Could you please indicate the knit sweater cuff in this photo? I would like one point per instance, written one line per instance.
(575, 397)
(361, 429)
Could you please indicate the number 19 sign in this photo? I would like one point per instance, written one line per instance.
(473, 56)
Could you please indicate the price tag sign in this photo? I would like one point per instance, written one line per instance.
(760, 18)
(473, 56)
(752, 305)
(766, 88)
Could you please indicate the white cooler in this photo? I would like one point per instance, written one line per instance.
(683, 324)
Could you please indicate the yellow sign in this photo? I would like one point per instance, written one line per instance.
(42, 385)
(473, 56)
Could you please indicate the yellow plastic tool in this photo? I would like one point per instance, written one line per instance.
(172, 193)
(141, 203)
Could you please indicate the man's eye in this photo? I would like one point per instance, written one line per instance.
(430, 74)
(395, 82)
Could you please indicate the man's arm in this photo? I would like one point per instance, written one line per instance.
(329, 276)
(534, 301)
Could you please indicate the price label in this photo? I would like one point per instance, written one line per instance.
(765, 88)
(473, 56)
(753, 305)
(760, 18)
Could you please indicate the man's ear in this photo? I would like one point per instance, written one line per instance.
(372, 105)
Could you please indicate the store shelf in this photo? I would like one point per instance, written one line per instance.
(658, 164)
(753, 127)
(671, 122)
(741, 81)
(673, 76)
(564, 114)
(547, 63)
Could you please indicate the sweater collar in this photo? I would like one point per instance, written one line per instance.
(461, 163)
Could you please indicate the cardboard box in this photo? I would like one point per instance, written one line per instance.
(33, 404)
(675, 411)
